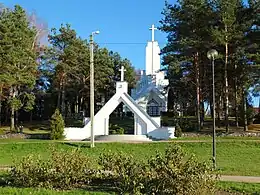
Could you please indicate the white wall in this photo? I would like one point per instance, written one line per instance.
(163, 133)
(152, 67)
(101, 119)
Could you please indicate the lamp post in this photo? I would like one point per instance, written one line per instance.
(91, 41)
(212, 54)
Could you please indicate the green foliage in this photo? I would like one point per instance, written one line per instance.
(229, 26)
(123, 172)
(175, 173)
(178, 131)
(65, 170)
(2, 131)
(15, 103)
(186, 124)
(115, 129)
(250, 113)
(257, 119)
(171, 173)
(71, 122)
(57, 125)
(18, 59)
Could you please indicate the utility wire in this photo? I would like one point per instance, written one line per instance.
(125, 43)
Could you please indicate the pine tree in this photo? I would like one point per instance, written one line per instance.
(18, 59)
(57, 126)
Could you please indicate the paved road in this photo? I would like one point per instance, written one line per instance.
(245, 179)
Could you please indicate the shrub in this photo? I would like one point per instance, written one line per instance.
(71, 122)
(65, 170)
(2, 131)
(178, 131)
(250, 114)
(123, 172)
(115, 129)
(257, 119)
(186, 125)
(169, 173)
(175, 173)
(57, 126)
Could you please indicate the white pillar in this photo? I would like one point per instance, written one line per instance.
(138, 125)
(106, 126)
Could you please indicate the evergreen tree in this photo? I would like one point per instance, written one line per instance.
(57, 125)
(18, 59)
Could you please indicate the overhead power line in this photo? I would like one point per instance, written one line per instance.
(125, 43)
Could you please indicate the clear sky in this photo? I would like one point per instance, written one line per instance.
(119, 21)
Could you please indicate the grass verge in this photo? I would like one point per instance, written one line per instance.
(34, 191)
(244, 188)
(233, 158)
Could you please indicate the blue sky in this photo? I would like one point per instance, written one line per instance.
(119, 21)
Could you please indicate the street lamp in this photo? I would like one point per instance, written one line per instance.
(91, 41)
(212, 54)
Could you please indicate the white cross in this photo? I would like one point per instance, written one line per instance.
(153, 29)
(122, 72)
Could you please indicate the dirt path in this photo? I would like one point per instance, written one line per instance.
(244, 179)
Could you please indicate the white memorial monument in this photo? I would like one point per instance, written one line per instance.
(151, 93)
(147, 101)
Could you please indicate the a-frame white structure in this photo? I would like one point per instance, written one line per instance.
(144, 124)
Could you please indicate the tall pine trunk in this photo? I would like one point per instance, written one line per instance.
(12, 95)
(218, 111)
(236, 102)
(226, 84)
(245, 110)
(76, 108)
(196, 63)
(1, 91)
(59, 96)
(63, 100)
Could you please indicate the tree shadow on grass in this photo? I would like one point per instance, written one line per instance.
(101, 188)
(77, 145)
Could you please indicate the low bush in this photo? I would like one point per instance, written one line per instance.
(187, 125)
(123, 172)
(176, 173)
(171, 173)
(250, 114)
(257, 119)
(115, 129)
(71, 122)
(178, 131)
(2, 131)
(65, 170)
(57, 126)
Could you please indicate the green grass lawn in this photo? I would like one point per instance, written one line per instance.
(245, 188)
(34, 191)
(222, 138)
(233, 158)
(232, 187)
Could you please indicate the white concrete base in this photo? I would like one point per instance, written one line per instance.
(163, 133)
(123, 138)
(74, 133)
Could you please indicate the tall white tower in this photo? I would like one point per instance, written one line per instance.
(152, 64)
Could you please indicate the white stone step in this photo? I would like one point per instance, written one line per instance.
(123, 138)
